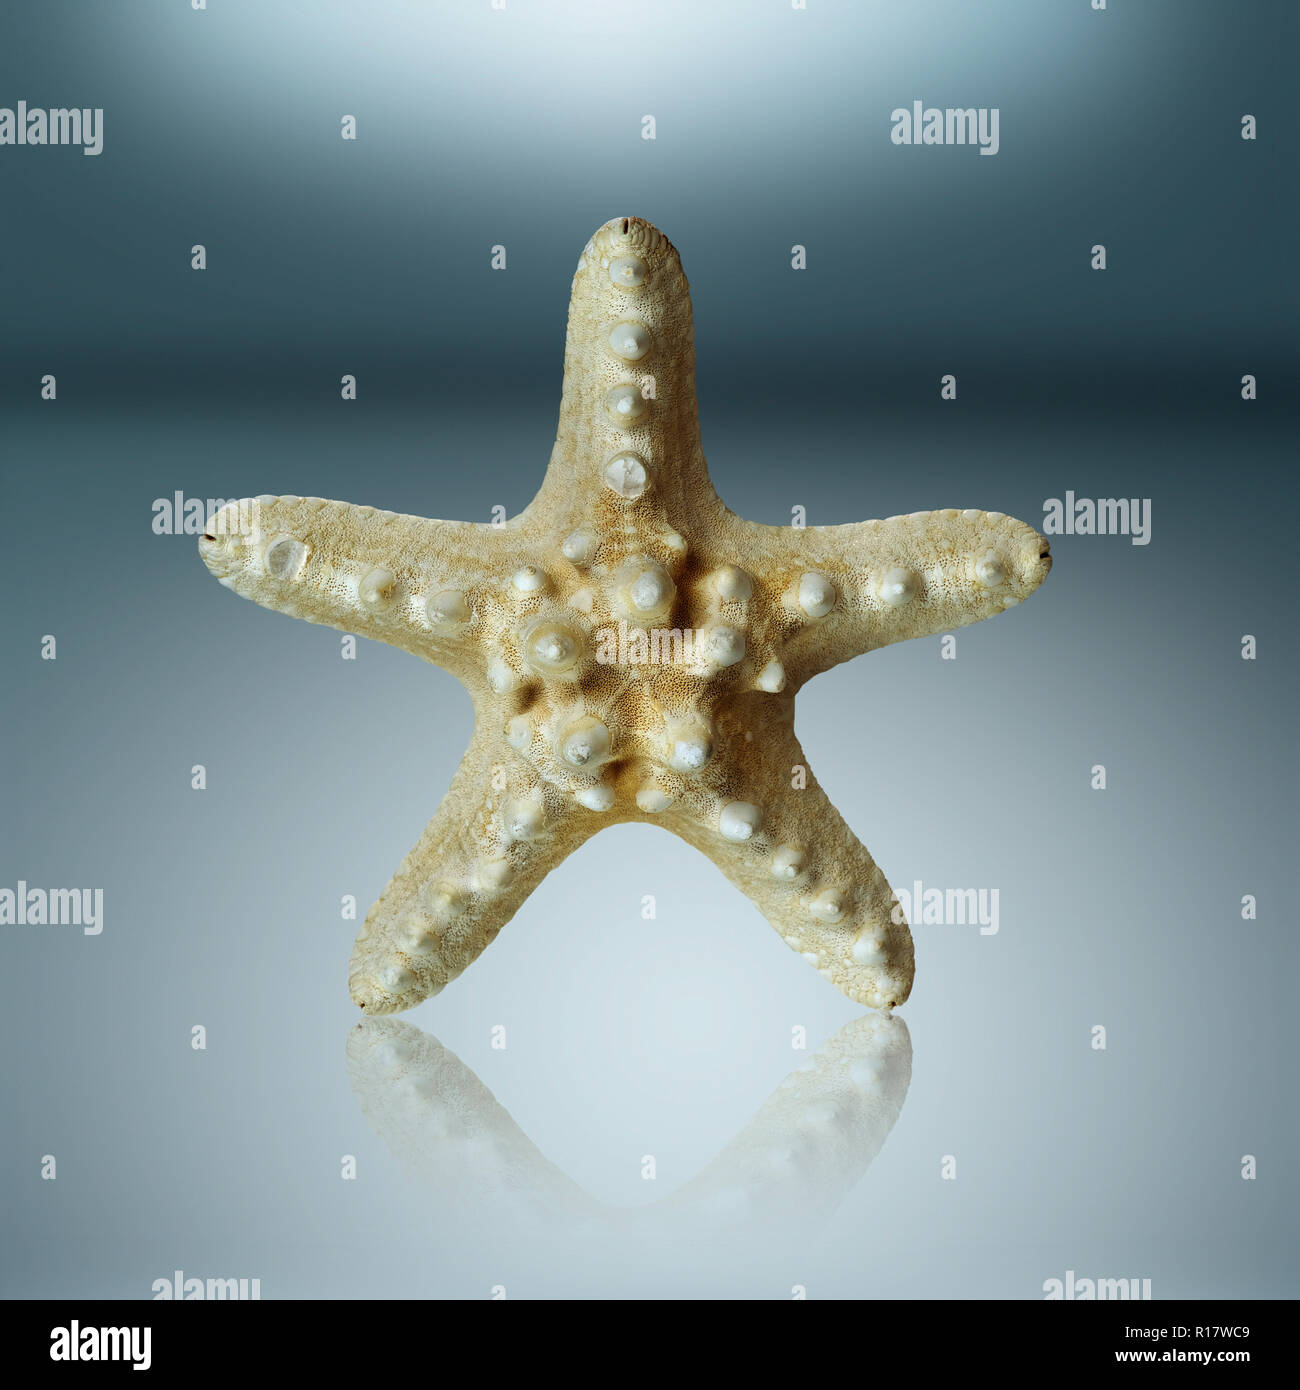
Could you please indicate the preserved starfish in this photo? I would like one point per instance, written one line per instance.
(633, 650)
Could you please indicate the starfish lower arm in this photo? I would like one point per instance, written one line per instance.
(497, 834)
(778, 838)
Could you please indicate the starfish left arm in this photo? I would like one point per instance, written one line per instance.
(409, 581)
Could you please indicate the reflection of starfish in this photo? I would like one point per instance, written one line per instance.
(632, 648)
(793, 1163)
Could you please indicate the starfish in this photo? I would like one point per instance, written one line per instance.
(632, 648)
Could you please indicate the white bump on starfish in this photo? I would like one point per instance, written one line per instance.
(597, 798)
(868, 947)
(644, 591)
(772, 677)
(501, 676)
(445, 902)
(528, 580)
(738, 820)
(690, 745)
(552, 648)
(627, 272)
(887, 991)
(625, 475)
(524, 818)
(653, 799)
(285, 557)
(378, 587)
(415, 936)
(724, 646)
(447, 611)
(990, 571)
(816, 594)
(585, 743)
(829, 905)
(788, 861)
(733, 584)
(396, 979)
(625, 404)
(629, 340)
(492, 875)
(629, 528)
(650, 590)
(897, 585)
(578, 546)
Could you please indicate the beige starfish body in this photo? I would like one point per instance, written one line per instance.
(632, 649)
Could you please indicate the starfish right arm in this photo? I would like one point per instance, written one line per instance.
(844, 590)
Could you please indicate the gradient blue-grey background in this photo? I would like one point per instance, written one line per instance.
(818, 388)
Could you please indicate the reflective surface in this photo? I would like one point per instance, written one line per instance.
(781, 1176)
(646, 1008)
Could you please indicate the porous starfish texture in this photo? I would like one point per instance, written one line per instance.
(632, 648)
